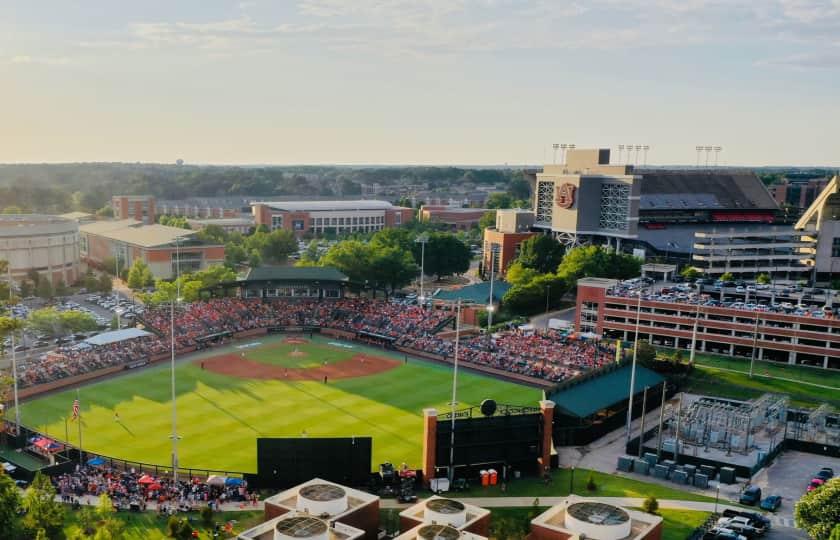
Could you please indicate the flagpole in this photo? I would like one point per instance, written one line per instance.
(79, 419)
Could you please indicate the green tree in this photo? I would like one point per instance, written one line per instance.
(352, 257)
(487, 220)
(646, 353)
(727, 276)
(105, 212)
(540, 252)
(401, 238)
(140, 275)
(213, 234)
(392, 268)
(179, 528)
(650, 505)
(235, 255)
(42, 510)
(532, 296)
(519, 274)
(10, 506)
(763, 279)
(818, 511)
(44, 289)
(274, 247)
(499, 200)
(835, 533)
(58, 323)
(690, 273)
(104, 283)
(445, 255)
(596, 261)
(519, 187)
(109, 527)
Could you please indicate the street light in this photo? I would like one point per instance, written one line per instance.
(423, 239)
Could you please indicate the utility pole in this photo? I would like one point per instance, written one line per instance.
(633, 368)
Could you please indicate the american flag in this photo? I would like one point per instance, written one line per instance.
(75, 409)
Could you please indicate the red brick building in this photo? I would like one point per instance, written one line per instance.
(139, 207)
(329, 217)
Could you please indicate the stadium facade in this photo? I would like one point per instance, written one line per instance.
(48, 245)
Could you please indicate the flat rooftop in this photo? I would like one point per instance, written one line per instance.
(325, 206)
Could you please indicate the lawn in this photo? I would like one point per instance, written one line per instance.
(678, 524)
(307, 355)
(608, 485)
(710, 381)
(219, 417)
(151, 526)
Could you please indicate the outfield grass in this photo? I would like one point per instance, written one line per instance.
(151, 526)
(220, 417)
(608, 485)
(311, 354)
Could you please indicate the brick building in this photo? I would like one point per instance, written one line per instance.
(330, 217)
(139, 207)
(502, 242)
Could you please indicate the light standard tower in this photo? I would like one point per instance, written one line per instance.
(14, 354)
(556, 146)
(454, 392)
(494, 250)
(633, 368)
(422, 240)
(177, 298)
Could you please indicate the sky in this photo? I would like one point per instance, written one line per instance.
(418, 81)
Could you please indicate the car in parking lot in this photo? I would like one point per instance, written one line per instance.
(771, 503)
(720, 533)
(825, 474)
(750, 496)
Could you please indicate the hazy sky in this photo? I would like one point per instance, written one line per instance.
(420, 81)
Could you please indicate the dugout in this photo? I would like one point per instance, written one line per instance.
(589, 409)
(286, 282)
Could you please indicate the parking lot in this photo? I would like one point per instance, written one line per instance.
(789, 475)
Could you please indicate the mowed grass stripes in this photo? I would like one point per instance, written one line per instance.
(220, 418)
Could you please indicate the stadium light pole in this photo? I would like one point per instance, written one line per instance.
(423, 239)
(172, 359)
(14, 356)
(494, 249)
(454, 392)
(633, 368)
(117, 276)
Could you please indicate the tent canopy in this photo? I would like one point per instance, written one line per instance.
(106, 338)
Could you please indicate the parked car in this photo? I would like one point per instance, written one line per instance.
(771, 503)
(755, 518)
(720, 533)
(751, 496)
(738, 525)
(826, 474)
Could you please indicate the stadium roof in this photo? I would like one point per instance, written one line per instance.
(320, 206)
(77, 215)
(294, 273)
(590, 396)
(147, 236)
(478, 293)
(116, 336)
(100, 227)
(703, 190)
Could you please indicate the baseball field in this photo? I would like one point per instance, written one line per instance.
(270, 386)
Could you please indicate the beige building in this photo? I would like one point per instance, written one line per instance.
(820, 224)
(586, 198)
(48, 245)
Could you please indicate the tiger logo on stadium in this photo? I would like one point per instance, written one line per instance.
(565, 197)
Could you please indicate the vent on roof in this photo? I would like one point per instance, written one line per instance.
(322, 499)
(301, 527)
(438, 532)
(446, 512)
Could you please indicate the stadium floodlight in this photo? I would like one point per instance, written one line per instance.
(494, 251)
(708, 150)
(645, 148)
(556, 146)
(620, 152)
(717, 152)
(423, 239)
(698, 149)
(638, 147)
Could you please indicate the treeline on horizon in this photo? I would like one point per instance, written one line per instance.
(59, 188)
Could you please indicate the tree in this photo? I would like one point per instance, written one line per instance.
(104, 283)
(727, 276)
(109, 526)
(690, 273)
(352, 258)
(499, 200)
(650, 505)
(645, 353)
(763, 279)
(835, 533)
(140, 275)
(59, 323)
(391, 268)
(530, 297)
(401, 238)
(42, 510)
(540, 252)
(179, 528)
(818, 511)
(213, 234)
(105, 212)
(519, 187)
(596, 261)
(44, 289)
(445, 255)
(10, 506)
(487, 220)
(519, 274)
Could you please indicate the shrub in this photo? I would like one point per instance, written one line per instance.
(650, 505)
(206, 516)
(590, 483)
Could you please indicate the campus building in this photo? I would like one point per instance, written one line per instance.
(502, 242)
(775, 336)
(820, 224)
(48, 245)
(329, 217)
(455, 218)
(166, 250)
(289, 282)
(138, 207)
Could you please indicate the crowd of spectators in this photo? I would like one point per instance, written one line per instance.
(135, 490)
(543, 354)
(80, 358)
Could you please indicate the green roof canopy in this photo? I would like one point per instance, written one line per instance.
(294, 273)
(589, 397)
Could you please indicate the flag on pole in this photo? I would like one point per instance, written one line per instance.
(75, 409)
